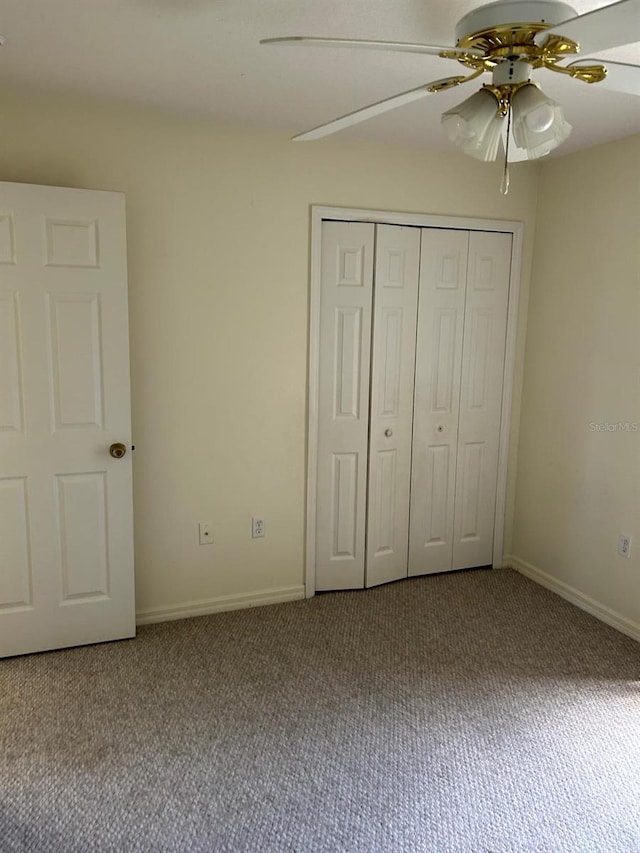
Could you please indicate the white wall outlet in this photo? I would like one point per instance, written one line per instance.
(624, 545)
(257, 527)
(204, 529)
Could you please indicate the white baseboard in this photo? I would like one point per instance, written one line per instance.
(600, 611)
(223, 602)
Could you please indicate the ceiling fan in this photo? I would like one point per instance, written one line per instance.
(509, 39)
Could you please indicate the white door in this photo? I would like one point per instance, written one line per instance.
(485, 328)
(343, 405)
(443, 281)
(395, 296)
(464, 294)
(66, 541)
(413, 329)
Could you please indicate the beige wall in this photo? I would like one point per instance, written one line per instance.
(218, 230)
(577, 488)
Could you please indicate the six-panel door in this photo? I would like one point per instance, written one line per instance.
(66, 541)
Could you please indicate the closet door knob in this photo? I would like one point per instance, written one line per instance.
(388, 433)
(441, 428)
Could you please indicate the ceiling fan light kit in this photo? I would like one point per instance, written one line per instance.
(476, 125)
(510, 39)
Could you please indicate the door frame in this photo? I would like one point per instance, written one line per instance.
(320, 213)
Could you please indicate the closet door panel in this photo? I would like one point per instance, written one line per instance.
(443, 275)
(481, 397)
(393, 360)
(343, 405)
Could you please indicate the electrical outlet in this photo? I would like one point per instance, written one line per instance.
(204, 529)
(624, 545)
(257, 527)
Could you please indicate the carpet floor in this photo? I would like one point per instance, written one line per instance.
(474, 711)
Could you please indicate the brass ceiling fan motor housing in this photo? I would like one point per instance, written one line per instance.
(484, 29)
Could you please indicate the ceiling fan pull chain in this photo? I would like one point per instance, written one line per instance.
(504, 185)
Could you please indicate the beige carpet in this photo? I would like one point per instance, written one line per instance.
(465, 712)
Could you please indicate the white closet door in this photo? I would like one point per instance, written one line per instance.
(481, 397)
(392, 375)
(443, 275)
(343, 404)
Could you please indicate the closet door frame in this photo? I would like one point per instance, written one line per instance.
(418, 220)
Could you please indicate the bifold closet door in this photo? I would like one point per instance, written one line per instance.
(406, 476)
(395, 300)
(365, 402)
(485, 327)
(343, 403)
(443, 281)
(464, 293)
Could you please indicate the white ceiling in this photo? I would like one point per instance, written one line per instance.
(202, 57)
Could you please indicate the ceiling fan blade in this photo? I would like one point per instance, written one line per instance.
(374, 110)
(363, 114)
(621, 77)
(609, 26)
(402, 47)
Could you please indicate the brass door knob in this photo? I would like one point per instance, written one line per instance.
(117, 450)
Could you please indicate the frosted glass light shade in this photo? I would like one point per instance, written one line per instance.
(538, 122)
(540, 119)
(515, 154)
(474, 125)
